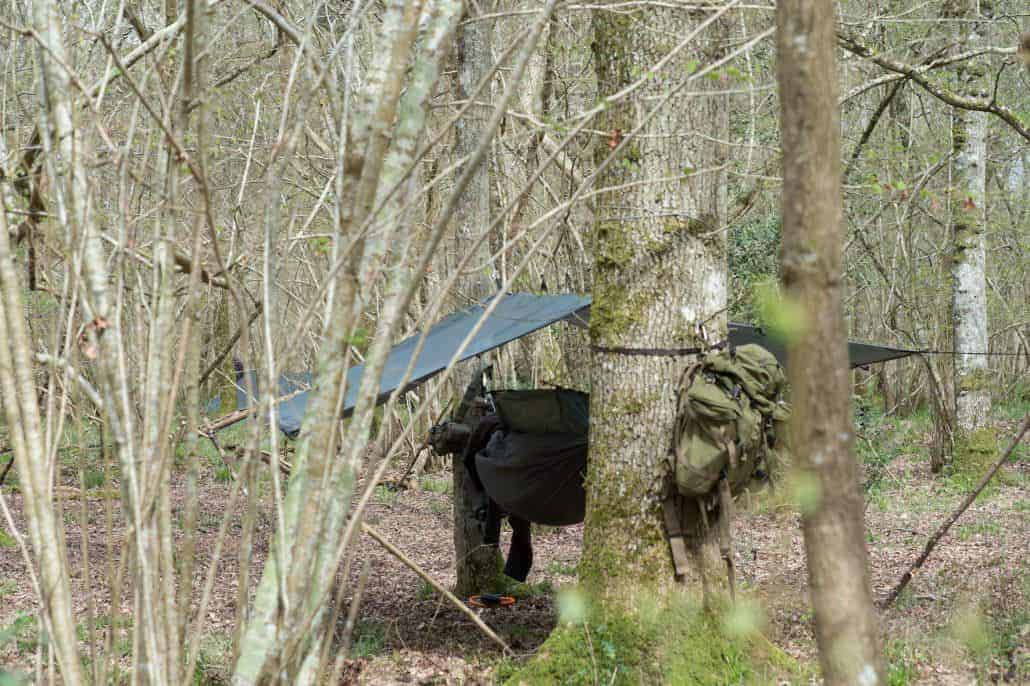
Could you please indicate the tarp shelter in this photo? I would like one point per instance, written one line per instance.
(514, 316)
(291, 410)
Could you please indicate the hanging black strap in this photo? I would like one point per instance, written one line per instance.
(646, 352)
(657, 352)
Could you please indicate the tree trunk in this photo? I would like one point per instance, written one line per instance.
(659, 273)
(973, 442)
(821, 432)
(476, 564)
(659, 270)
(223, 385)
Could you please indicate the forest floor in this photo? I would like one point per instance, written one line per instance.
(965, 618)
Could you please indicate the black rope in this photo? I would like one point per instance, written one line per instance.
(654, 352)
(647, 352)
(957, 352)
(674, 352)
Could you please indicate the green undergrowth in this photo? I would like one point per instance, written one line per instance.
(672, 643)
(975, 453)
(520, 590)
(368, 640)
(881, 440)
(902, 662)
(7, 540)
(994, 640)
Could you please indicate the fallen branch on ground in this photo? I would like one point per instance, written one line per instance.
(239, 415)
(238, 453)
(413, 566)
(937, 535)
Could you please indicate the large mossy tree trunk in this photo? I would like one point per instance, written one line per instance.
(477, 563)
(822, 435)
(659, 271)
(973, 442)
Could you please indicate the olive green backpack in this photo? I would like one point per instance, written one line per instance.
(729, 409)
(730, 423)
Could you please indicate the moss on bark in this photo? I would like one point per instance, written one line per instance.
(645, 641)
(975, 453)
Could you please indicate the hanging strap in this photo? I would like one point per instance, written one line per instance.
(725, 533)
(672, 509)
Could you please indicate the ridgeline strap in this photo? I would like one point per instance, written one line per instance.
(646, 352)
(657, 352)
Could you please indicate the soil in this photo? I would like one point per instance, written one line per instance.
(978, 576)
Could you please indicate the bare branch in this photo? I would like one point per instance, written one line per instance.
(943, 529)
(1004, 113)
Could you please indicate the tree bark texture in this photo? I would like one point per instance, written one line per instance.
(659, 269)
(969, 256)
(476, 564)
(821, 431)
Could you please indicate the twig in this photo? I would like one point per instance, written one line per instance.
(422, 446)
(937, 535)
(239, 415)
(228, 348)
(3, 475)
(851, 44)
(390, 548)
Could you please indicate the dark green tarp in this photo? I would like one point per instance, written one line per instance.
(514, 316)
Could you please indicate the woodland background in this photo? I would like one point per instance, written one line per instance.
(302, 184)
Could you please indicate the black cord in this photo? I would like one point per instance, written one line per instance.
(657, 352)
(646, 352)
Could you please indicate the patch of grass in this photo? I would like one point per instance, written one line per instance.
(520, 590)
(993, 641)
(562, 568)
(23, 631)
(7, 588)
(7, 540)
(518, 631)
(918, 501)
(987, 528)
(880, 441)
(208, 521)
(439, 507)
(368, 640)
(771, 501)
(425, 591)
(544, 529)
(674, 643)
(213, 658)
(223, 473)
(437, 484)
(11, 678)
(386, 496)
(901, 662)
(123, 646)
(1015, 409)
(93, 478)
